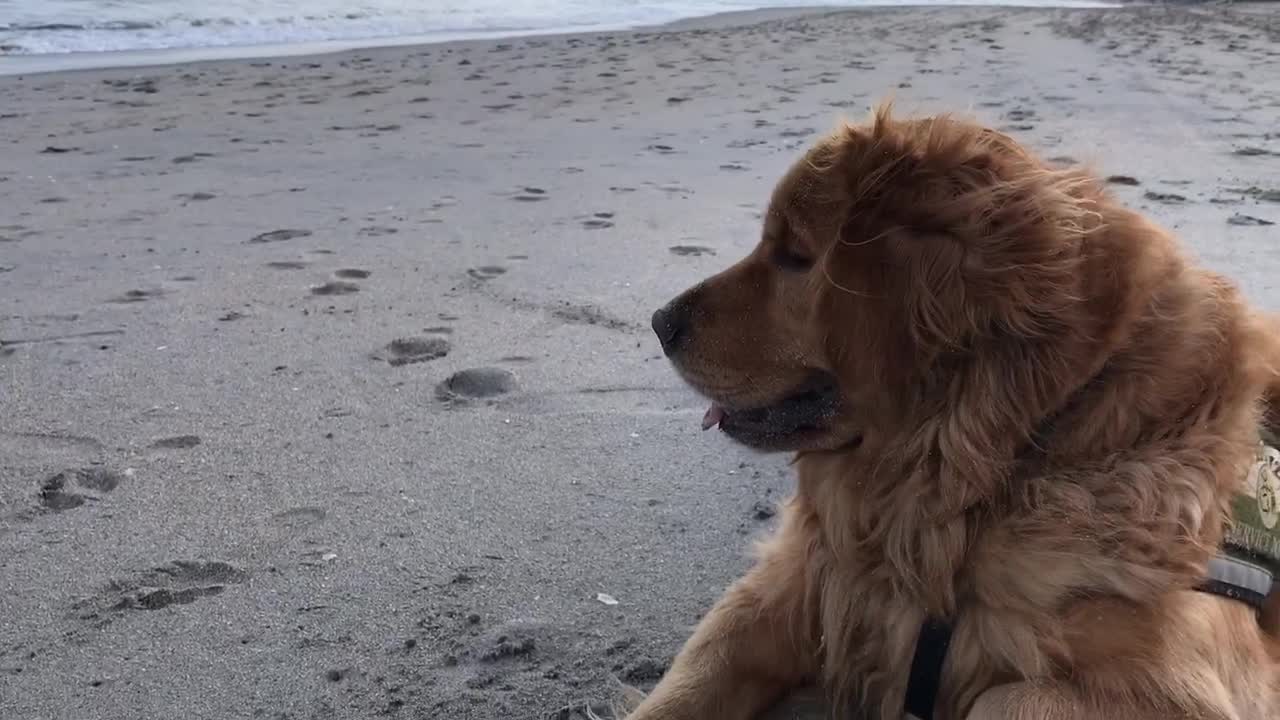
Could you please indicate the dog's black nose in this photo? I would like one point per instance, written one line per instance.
(671, 325)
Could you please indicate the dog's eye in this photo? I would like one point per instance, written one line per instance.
(788, 259)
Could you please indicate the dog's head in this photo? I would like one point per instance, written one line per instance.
(910, 275)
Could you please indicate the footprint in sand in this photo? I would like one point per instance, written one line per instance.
(183, 159)
(530, 194)
(286, 265)
(1123, 180)
(72, 488)
(279, 236)
(133, 296)
(177, 442)
(486, 272)
(1248, 220)
(335, 287)
(377, 231)
(691, 250)
(598, 221)
(476, 383)
(181, 582)
(351, 274)
(298, 518)
(1166, 198)
(409, 350)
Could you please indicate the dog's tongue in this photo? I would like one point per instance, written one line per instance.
(714, 415)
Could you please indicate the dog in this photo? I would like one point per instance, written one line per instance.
(1018, 410)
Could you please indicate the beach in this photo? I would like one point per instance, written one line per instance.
(327, 383)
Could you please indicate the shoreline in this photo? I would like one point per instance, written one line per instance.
(43, 64)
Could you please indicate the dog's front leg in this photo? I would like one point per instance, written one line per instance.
(1048, 700)
(758, 642)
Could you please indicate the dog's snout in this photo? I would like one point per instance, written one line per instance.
(671, 324)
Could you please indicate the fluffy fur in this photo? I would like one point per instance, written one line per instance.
(1044, 408)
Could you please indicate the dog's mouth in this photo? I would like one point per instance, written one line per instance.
(794, 422)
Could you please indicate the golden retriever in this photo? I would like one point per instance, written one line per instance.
(1015, 406)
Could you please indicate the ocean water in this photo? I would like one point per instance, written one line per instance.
(42, 27)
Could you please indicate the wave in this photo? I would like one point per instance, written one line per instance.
(109, 25)
(182, 25)
(209, 32)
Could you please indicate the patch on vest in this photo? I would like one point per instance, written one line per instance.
(1255, 512)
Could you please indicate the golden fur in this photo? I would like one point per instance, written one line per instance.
(1044, 407)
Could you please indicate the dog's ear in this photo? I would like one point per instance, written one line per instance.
(980, 247)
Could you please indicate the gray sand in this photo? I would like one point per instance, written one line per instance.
(327, 387)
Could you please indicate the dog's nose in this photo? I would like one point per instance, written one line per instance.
(671, 325)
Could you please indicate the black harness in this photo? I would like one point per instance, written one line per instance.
(926, 669)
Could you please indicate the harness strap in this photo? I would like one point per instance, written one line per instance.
(1237, 579)
(926, 669)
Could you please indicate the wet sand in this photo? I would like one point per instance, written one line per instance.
(327, 384)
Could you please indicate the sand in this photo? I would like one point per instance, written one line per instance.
(327, 384)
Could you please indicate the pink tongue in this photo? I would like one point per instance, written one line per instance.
(714, 415)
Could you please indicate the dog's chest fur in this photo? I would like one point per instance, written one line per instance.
(871, 609)
(1007, 583)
